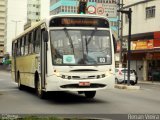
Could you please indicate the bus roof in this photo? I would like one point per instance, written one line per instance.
(29, 29)
(56, 16)
(77, 15)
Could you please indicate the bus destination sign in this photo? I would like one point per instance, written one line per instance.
(79, 22)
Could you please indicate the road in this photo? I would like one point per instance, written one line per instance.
(113, 101)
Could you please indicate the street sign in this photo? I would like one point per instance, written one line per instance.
(107, 9)
(100, 10)
(91, 9)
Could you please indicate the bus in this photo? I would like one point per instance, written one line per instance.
(71, 52)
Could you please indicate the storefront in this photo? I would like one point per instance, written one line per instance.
(145, 56)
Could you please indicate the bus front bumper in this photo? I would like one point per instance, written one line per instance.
(60, 84)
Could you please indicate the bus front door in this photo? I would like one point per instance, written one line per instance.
(43, 62)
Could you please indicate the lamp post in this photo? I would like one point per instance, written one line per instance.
(16, 21)
(129, 13)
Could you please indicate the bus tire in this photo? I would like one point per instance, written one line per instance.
(90, 94)
(40, 93)
(132, 83)
(116, 81)
(20, 86)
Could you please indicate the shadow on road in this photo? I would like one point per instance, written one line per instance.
(65, 97)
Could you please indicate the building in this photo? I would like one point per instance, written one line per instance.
(3, 25)
(33, 12)
(145, 40)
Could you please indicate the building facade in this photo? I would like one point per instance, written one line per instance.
(145, 40)
(3, 25)
(33, 12)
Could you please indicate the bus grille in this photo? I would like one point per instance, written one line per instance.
(77, 86)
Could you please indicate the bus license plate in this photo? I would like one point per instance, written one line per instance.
(84, 83)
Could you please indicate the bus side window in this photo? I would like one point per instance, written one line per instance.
(38, 39)
(34, 39)
(18, 48)
(13, 49)
(29, 44)
(22, 46)
(26, 45)
(32, 42)
(20, 40)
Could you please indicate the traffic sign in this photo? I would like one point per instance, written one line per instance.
(106, 9)
(100, 10)
(91, 9)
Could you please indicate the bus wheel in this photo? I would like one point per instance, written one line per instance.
(90, 94)
(39, 92)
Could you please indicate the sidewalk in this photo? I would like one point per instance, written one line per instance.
(149, 82)
(137, 86)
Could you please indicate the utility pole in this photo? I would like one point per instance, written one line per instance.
(129, 13)
(16, 21)
(120, 30)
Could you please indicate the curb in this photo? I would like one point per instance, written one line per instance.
(151, 83)
(127, 87)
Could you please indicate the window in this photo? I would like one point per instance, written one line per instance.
(16, 47)
(13, 49)
(38, 39)
(22, 46)
(150, 12)
(126, 18)
(37, 13)
(34, 39)
(26, 45)
(19, 48)
(29, 43)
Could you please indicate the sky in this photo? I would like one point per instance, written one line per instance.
(17, 11)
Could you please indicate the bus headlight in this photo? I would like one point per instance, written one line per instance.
(107, 73)
(56, 73)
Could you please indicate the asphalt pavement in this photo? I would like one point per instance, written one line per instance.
(106, 102)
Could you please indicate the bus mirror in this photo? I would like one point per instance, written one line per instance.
(115, 44)
(45, 36)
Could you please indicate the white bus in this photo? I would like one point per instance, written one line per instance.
(65, 53)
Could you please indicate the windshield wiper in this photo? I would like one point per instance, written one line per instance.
(70, 39)
(93, 32)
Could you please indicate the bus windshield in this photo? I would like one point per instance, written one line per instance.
(80, 47)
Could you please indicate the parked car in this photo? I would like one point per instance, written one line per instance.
(122, 76)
